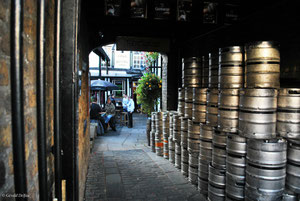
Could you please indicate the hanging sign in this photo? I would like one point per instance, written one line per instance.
(143, 44)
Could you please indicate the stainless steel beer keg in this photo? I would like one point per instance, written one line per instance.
(264, 184)
(231, 67)
(192, 72)
(257, 117)
(205, 67)
(193, 130)
(213, 70)
(262, 65)
(236, 145)
(267, 153)
(259, 100)
(206, 132)
(288, 113)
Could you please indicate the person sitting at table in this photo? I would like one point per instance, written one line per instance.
(112, 98)
(109, 116)
(95, 117)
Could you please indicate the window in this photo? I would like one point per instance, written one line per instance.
(122, 87)
(138, 60)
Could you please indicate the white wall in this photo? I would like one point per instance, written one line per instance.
(93, 60)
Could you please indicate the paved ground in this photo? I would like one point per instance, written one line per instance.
(122, 167)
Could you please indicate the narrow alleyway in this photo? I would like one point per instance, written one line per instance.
(122, 167)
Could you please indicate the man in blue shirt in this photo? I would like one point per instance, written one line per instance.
(130, 109)
(125, 102)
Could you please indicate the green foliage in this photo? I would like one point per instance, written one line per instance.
(148, 91)
(150, 57)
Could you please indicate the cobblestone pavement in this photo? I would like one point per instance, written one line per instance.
(122, 167)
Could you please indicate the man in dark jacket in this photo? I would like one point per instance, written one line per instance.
(95, 117)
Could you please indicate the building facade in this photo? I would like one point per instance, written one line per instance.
(123, 69)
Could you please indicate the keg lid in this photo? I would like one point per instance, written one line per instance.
(236, 49)
(290, 91)
(192, 59)
(262, 44)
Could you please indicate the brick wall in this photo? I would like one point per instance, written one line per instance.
(83, 132)
(164, 82)
(171, 79)
(83, 105)
(29, 37)
(6, 155)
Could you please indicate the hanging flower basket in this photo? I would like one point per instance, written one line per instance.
(148, 92)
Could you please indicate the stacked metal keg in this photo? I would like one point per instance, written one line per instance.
(193, 149)
(159, 134)
(205, 156)
(166, 133)
(199, 116)
(235, 166)
(177, 139)
(212, 92)
(265, 171)
(266, 153)
(293, 169)
(171, 138)
(217, 159)
(231, 79)
(199, 105)
(183, 143)
(192, 71)
(288, 113)
(217, 168)
(288, 126)
(205, 71)
(177, 121)
(193, 68)
(153, 131)
(180, 108)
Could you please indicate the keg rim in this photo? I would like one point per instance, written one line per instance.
(232, 92)
(268, 144)
(259, 92)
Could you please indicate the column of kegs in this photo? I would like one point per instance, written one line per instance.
(288, 127)
(177, 124)
(206, 130)
(159, 134)
(166, 134)
(266, 153)
(217, 165)
(231, 80)
(193, 70)
(171, 138)
(153, 131)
